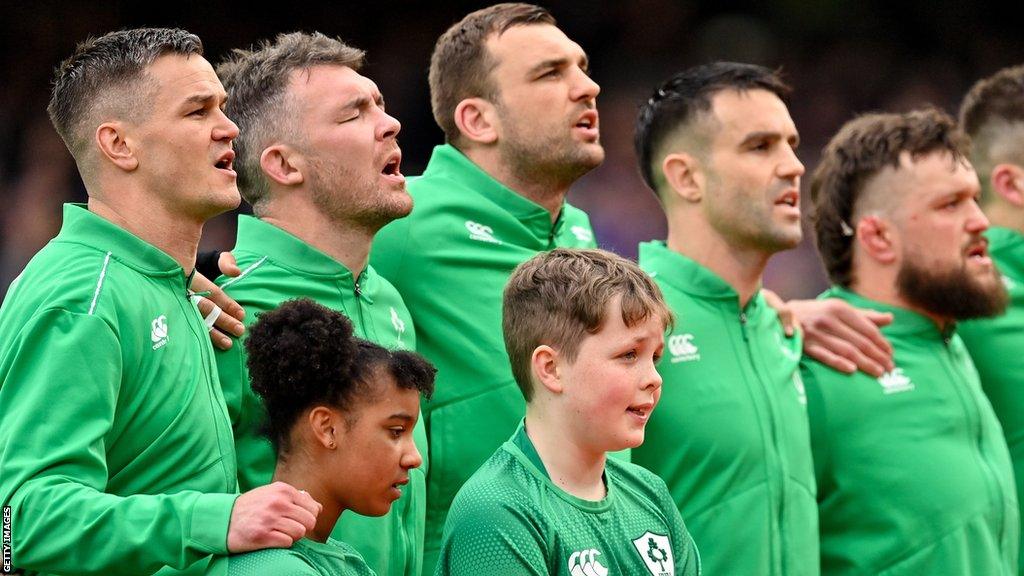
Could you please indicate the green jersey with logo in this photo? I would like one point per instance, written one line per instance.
(510, 518)
(996, 346)
(115, 445)
(730, 434)
(305, 558)
(277, 266)
(913, 472)
(450, 260)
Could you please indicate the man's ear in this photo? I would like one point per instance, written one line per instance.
(112, 140)
(877, 237)
(683, 176)
(477, 120)
(1008, 182)
(327, 426)
(544, 366)
(283, 164)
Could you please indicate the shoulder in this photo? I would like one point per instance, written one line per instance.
(639, 480)
(276, 561)
(501, 490)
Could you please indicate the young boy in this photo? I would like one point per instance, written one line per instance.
(583, 330)
(340, 414)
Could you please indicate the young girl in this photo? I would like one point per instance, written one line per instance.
(340, 414)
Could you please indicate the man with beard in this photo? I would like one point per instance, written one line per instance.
(729, 437)
(993, 116)
(318, 159)
(518, 109)
(913, 472)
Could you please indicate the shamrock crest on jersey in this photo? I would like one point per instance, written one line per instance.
(656, 552)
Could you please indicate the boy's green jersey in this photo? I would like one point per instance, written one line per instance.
(913, 472)
(997, 348)
(510, 518)
(115, 445)
(277, 266)
(730, 434)
(450, 260)
(305, 558)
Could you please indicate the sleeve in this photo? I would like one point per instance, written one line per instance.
(818, 430)
(390, 245)
(61, 379)
(491, 539)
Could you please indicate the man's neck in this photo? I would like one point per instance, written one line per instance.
(741, 268)
(549, 193)
(577, 471)
(304, 477)
(347, 244)
(881, 287)
(176, 235)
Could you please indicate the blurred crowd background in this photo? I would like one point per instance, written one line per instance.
(843, 57)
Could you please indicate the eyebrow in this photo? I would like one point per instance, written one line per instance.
(401, 416)
(768, 135)
(558, 63)
(361, 101)
(205, 97)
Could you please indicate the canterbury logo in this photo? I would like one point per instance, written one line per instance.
(895, 381)
(398, 323)
(159, 332)
(682, 348)
(582, 234)
(585, 563)
(478, 231)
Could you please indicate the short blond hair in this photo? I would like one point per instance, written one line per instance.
(560, 297)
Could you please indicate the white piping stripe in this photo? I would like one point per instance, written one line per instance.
(244, 272)
(99, 284)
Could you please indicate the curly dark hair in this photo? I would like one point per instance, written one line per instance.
(303, 354)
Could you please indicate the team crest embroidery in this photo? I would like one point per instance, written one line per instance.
(585, 563)
(656, 552)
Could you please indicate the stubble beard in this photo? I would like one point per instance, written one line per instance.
(952, 292)
(346, 197)
(554, 158)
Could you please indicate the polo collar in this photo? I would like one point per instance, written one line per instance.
(83, 226)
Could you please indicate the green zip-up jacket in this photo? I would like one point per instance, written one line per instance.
(996, 346)
(116, 454)
(277, 266)
(913, 472)
(450, 260)
(730, 434)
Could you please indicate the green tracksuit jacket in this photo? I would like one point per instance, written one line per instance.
(997, 348)
(450, 260)
(730, 434)
(277, 266)
(115, 448)
(510, 518)
(913, 472)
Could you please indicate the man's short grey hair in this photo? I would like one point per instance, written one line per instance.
(105, 78)
(256, 81)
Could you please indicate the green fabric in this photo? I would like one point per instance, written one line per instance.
(450, 260)
(510, 518)
(305, 558)
(109, 390)
(913, 472)
(730, 435)
(997, 347)
(277, 266)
